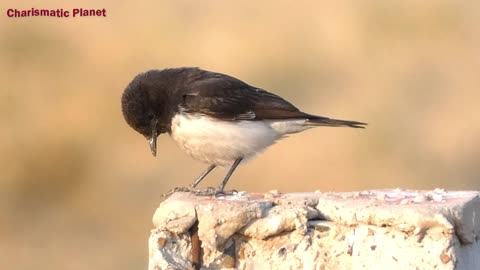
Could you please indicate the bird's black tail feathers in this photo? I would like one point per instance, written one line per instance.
(324, 121)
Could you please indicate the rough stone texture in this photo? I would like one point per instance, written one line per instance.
(394, 229)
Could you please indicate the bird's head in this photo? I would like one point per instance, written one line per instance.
(144, 107)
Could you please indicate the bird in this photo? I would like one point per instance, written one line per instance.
(215, 118)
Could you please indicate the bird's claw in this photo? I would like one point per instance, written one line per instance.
(214, 192)
(207, 192)
(178, 189)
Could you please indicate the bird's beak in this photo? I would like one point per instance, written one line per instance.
(153, 142)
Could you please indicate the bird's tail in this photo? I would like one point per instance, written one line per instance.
(314, 120)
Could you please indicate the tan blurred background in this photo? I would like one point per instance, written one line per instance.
(78, 187)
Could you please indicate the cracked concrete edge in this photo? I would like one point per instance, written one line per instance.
(406, 210)
(454, 212)
(265, 217)
(325, 245)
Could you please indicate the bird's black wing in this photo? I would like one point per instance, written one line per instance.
(224, 97)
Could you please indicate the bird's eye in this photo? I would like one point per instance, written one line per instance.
(150, 116)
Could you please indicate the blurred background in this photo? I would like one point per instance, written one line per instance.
(78, 186)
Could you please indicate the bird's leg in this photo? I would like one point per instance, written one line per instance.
(230, 172)
(200, 178)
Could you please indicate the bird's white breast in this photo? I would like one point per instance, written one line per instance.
(222, 142)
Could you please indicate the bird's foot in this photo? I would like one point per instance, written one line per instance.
(214, 192)
(178, 189)
(220, 193)
(207, 192)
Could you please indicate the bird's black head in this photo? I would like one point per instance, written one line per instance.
(146, 105)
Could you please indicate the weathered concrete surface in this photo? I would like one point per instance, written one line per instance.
(382, 229)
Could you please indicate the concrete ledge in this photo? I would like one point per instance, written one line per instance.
(380, 229)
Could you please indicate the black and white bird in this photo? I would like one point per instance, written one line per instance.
(213, 117)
